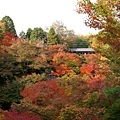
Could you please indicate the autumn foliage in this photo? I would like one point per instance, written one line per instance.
(40, 82)
(105, 16)
(86, 69)
(9, 39)
(65, 63)
(76, 90)
(20, 115)
(76, 86)
(45, 93)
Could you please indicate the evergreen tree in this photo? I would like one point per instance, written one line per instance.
(52, 37)
(9, 25)
(38, 34)
(29, 31)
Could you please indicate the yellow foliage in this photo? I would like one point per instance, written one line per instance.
(1, 116)
(2, 25)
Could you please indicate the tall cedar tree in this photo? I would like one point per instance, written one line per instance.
(29, 31)
(9, 25)
(52, 37)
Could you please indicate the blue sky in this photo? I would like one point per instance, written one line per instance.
(43, 13)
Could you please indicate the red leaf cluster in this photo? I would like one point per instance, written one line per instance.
(55, 48)
(96, 65)
(61, 70)
(63, 56)
(97, 83)
(61, 61)
(9, 39)
(87, 69)
(46, 92)
(17, 115)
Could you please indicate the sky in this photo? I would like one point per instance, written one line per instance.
(43, 13)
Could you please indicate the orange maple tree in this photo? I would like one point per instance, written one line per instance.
(61, 70)
(64, 63)
(86, 69)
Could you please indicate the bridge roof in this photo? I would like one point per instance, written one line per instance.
(82, 49)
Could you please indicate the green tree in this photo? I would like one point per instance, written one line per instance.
(9, 25)
(38, 34)
(79, 42)
(9, 68)
(10, 93)
(52, 38)
(29, 31)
